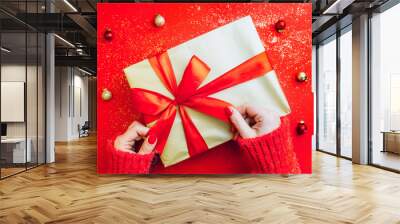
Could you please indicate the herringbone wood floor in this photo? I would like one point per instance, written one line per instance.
(70, 191)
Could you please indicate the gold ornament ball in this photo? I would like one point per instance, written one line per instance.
(302, 77)
(106, 95)
(159, 20)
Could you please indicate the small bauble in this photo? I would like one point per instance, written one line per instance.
(301, 128)
(280, 26)
(108, 35)
(302, 77)
(106, 95)
(159, 20)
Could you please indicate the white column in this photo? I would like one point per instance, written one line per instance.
(50, 92)
(314, 87)
(50, 98)
(360, 90)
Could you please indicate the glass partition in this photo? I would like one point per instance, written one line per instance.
(22, 88)
(31, 100)
(13, 103)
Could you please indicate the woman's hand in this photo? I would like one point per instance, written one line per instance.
(135, 132)
(251, 121)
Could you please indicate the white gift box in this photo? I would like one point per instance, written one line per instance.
(222, 49)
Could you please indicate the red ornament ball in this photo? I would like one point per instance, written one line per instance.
(108, 35)
(280, 26)
(301, 128)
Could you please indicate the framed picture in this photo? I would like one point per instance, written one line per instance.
(204, 88)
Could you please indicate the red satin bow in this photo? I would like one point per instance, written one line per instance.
(159, 108)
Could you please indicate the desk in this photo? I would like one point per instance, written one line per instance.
(13, 150)
(391, 141)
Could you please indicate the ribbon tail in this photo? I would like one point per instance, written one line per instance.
(161, 65)
(210, 106)
(194, 140)
(252, 68)
(162, 127)
(149, 102)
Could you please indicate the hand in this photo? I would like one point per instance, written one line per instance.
(251, 121)
(135, 132)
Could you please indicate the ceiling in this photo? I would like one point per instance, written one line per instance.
(74, 21)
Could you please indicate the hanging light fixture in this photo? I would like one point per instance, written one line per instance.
(70, 5)
(64, 40)
(5, 49)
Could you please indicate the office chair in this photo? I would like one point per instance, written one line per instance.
(84, 130)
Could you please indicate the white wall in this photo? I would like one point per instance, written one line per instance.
(80, 111)
(33, 127)
(71, 102)
(62, 82)
(12, 73)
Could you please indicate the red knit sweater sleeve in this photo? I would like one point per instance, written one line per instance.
(271, 153)
(127, 163)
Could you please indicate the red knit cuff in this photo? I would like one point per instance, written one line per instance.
(270, 153)
(128, 163)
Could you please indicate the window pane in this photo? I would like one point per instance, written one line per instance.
(327, 97)
(386, 89)
(346, 93)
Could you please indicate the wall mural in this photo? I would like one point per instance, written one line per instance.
(195, 88)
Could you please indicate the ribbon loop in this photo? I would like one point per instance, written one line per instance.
(195, 72)
(163, 68)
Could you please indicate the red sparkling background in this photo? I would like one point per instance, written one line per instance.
(135, 38)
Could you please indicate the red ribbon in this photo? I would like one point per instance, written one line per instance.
(159, 108)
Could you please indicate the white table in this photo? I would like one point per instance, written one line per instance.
(18, 149)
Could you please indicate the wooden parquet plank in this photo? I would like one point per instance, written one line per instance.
(70, 191)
